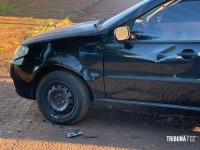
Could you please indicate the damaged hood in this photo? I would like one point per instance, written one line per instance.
(78, 29)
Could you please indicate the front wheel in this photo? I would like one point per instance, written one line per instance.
(62, 97)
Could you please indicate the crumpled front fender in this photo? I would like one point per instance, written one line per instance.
(69, 62)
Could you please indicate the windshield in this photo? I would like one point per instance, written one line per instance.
(122, 14)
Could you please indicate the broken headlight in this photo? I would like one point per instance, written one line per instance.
(20, 52)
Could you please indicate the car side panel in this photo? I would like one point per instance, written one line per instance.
(152, 73)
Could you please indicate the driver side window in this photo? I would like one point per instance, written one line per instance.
(171, 21)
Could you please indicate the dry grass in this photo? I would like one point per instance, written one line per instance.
(14, 30)
(46, 25)
(2, 48)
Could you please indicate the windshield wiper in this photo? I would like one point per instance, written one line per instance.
(100, 22)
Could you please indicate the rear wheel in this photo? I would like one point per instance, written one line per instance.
(62, 97)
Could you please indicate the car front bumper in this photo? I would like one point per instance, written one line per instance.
(22, 86)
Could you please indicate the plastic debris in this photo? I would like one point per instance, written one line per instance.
(74, 134)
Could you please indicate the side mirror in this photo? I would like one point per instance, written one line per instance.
(122, 33)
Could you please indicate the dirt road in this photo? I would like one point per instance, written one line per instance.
(106, 9)
(112, 126)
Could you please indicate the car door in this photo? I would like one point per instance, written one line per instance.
(160, 63)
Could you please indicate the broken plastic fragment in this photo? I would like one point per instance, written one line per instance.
(74, 134)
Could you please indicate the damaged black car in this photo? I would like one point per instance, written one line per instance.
(147, 55)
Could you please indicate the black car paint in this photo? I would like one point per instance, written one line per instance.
(105, 65)
(153, 72)
(80, 29)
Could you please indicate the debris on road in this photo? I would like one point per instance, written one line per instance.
(74, 134)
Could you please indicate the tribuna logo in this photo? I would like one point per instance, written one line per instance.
(182, 138)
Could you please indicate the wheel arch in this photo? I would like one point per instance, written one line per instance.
(51, 68)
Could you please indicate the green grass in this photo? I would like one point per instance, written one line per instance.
(8, 8)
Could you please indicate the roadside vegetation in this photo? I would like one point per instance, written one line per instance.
(46, 25)
(14, 29)
(1, 48)
(6, 8)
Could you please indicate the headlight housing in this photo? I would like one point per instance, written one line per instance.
(20, 52)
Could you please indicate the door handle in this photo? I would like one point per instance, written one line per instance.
(187, 54)
(191, 54)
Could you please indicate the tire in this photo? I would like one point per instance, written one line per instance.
(62, 97)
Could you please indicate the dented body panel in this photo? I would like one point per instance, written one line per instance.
(70, 54)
